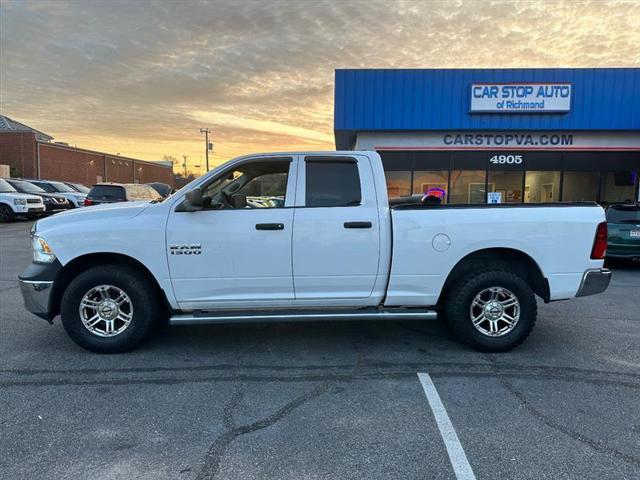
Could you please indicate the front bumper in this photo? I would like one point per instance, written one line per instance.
(37, 297)
(55, 208)
(28, 209)
(36, 286)
(594, 281)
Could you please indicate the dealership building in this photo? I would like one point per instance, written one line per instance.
(497, 135)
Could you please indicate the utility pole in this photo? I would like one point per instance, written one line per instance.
(184, 164)
(207, 145)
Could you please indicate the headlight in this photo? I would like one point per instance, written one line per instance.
(19, 201)
(47, 200)
(42, 252)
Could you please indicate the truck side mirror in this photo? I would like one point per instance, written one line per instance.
(192, 202)
(194, 197)
(239, 200)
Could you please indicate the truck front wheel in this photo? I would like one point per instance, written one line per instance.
(108, 308)
(493, 311)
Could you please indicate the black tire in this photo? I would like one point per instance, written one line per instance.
(143, 298)
(6, 214)
(458, 310)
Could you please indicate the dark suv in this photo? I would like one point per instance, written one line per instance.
(120, 192)
(623, 222)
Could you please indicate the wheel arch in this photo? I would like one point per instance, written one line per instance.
(78, 265)
(508, 259)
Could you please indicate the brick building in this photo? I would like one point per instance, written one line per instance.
(32, 154)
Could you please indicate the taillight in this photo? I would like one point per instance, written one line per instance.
(87, 202)
(599, 249)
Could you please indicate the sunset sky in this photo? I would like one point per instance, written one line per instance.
(141, 77)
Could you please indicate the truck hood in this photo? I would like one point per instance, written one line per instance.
(108, 211)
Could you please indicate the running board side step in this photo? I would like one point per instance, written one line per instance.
(205, 318)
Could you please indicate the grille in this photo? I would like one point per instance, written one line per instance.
(33, 200)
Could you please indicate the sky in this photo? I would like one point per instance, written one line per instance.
(140, 78)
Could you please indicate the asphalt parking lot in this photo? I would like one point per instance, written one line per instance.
(321, 400)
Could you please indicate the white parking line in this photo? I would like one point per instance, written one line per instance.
(458, 458)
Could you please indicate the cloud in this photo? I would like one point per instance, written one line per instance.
(264, 126)
(142, 77)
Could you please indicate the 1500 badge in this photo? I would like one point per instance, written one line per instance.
(186, 249)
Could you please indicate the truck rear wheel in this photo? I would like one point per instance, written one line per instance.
(109, 309)
(493, 311)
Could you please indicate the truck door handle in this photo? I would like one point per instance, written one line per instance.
(357, 224)
(269, 226)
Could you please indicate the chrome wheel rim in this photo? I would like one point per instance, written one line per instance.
(106, 311)
(495, 311)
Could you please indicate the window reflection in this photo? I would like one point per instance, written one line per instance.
(467, 186)
(431, 182)
(542, 186)
(618, 186)
(398, 184)
(580, 186)
(507, 184)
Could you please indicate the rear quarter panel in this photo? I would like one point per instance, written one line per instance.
(558, 239)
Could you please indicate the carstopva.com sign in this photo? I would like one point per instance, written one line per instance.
(520, 97)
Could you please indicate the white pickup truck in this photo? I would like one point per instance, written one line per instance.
(308, 236)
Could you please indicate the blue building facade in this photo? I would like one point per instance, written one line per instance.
(499, 135)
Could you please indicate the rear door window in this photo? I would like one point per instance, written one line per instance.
(624, 214)
(107, 192)
(332, 183)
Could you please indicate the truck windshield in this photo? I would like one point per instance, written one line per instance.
(5, 187)
(624, 214)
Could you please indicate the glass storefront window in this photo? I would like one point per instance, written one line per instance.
(508, 184)
(397, 170)
(398, 183)
(541, 186)
(618, 186)
(467, 186)
(432, 182)
(580, 186)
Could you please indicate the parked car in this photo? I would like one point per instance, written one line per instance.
(78, 187)
(120, 192)
(162, 188)
(14, 203)
(335, 250)
(624, 231)
(76, 198)
(52, 202)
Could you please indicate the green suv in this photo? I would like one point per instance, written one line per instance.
(623, 222)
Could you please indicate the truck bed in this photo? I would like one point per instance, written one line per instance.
(429, 240)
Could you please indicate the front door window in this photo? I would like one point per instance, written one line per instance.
(252, 185)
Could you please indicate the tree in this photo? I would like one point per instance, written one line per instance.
(170, 158)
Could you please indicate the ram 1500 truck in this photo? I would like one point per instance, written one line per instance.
(308, 236)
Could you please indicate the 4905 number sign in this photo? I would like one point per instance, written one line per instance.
(506, 159)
